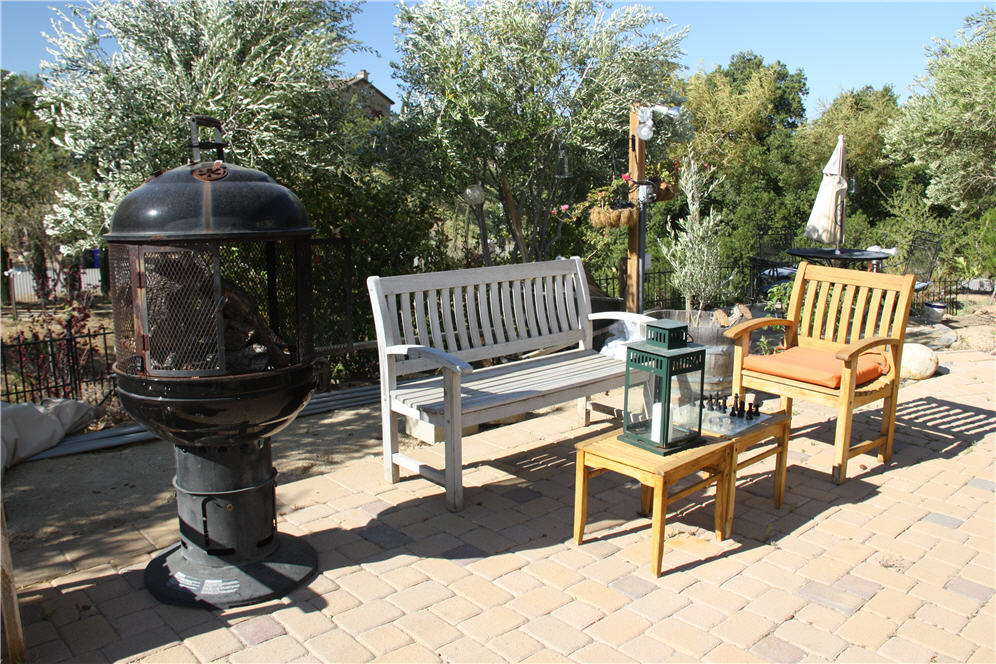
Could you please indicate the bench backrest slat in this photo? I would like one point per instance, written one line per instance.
(834, 307)
(482, 313)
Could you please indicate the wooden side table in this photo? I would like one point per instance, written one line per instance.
(657, 473)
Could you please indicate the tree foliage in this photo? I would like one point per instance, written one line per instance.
(127, 74)
(32, 167)
(505, 87)
(948, 127)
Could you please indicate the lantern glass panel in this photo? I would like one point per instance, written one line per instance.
(663, 397)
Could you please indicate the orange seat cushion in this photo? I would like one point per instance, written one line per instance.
(818, 367)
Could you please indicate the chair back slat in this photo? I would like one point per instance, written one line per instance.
(874, 307)
(846, 314)
(860, 311)
(833, 306)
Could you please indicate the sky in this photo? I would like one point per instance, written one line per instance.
(839, 45)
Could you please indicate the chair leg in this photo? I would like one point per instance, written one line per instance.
(842, 442)
(888, 428)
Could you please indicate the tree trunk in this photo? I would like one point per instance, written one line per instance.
(513, 215)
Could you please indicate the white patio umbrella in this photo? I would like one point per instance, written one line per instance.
(826, 221)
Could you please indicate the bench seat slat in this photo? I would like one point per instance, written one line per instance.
(514, 382)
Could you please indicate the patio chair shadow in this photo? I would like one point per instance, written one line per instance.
(926, 428)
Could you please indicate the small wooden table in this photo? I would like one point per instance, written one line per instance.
(720, 460)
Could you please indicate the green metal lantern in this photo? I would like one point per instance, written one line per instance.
(662, 410)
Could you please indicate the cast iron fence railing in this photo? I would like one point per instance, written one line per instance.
(68, 367)
(939, 290)
(658, 290)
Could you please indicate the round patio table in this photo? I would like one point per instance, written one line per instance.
(830, 256)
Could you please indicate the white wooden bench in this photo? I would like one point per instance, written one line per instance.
(446, 320)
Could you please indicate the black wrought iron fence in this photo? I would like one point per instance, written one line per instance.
(939, 290)
(658, 290)
(68, 367)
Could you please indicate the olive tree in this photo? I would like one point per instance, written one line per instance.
(948, 126)
(506, 88)
(126, 74)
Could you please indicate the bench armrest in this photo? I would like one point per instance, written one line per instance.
(625, 316)
(852, 350)
(439, 357)
(749, 326)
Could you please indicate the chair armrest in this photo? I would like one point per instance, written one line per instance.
(438, 357)
(749, 326)
(851, 351)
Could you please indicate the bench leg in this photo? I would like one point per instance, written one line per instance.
(389, 433)
(453, 431)
(584, 411)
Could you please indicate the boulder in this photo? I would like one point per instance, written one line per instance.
(919, 362)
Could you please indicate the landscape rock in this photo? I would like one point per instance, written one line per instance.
(978, 285)
(919, 362)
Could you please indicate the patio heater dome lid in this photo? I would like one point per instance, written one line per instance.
(208, 201)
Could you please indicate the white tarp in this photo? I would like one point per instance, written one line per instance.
(27, 428)
(826, 221)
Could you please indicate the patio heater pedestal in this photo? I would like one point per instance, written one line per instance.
(230, 552)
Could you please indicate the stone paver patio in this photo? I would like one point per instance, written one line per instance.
(896, 564)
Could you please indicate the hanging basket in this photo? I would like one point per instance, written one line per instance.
(616, 215)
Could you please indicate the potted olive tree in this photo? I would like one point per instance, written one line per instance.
(693, 256)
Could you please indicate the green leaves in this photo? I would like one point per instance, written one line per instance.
(503, 86)
(127, 74)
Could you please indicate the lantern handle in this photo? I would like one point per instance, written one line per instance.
(198, 121)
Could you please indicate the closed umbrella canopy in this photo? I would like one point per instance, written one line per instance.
(826, 221)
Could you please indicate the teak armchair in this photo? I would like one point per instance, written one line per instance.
(844, 334)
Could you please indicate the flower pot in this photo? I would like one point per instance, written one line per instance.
(718, 370)
(665, 191)
(934, 311)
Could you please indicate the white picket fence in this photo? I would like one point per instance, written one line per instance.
(23, 284)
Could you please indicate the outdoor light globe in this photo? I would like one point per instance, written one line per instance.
(474, 194)
(645, 131)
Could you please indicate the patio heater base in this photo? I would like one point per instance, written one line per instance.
(174, 579)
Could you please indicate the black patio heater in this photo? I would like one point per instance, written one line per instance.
(211, 288)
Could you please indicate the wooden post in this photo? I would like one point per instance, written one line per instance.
(11, 611)
(637, 171)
